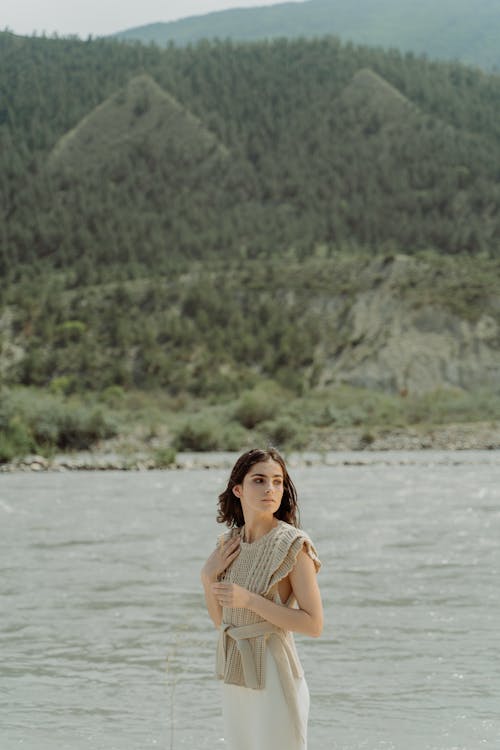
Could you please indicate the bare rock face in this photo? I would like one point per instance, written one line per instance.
(396, 343)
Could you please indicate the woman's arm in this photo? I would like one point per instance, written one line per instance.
(220, 559)
(307, 619)
(213, 606)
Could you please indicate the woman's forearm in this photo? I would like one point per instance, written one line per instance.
(213, 606)
(288, 618)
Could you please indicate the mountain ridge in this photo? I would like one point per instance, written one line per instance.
(452, 29)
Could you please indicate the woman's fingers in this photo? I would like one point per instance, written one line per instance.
(230, 595)
(222, 592)
(222, 557)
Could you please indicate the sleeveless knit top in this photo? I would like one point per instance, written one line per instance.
(244, 635)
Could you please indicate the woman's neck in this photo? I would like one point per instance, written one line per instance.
(257, 527)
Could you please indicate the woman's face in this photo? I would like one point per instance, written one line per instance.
(262, 489)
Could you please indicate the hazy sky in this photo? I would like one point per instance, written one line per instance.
(84, 17)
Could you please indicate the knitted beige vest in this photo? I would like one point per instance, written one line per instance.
(244, 635)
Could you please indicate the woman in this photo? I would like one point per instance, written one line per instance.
(260, 586)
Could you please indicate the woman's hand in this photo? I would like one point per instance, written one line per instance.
(231, 595)
(221, 558)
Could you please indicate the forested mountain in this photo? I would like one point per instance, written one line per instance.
(112, 153)
(466, 30)
(197, 218)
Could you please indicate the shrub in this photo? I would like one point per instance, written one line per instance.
(164, 457)
(452, 404)
(15, 436)
(113, 396)
(206, 434)
(258, 405)
(284, 432)
(62, 385)
(341, 417)
(233, 437)
(78, 428)
(15, 440)
(45, 427)
(366, 439)
(199, 434)
(30, 421)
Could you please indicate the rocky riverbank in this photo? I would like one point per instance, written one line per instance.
(369, 445)
(451, 437)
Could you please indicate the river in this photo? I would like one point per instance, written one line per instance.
(105, 643)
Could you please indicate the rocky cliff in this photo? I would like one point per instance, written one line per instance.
(399, 336)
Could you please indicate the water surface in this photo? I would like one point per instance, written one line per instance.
(105, 643)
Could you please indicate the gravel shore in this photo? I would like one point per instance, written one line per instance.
(329, 448)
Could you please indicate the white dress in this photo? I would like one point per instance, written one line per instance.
(260, 719)
(269, 708)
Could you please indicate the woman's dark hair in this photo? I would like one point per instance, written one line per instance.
(230, 511)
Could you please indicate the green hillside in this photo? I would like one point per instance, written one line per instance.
(144, 157)
(204, 221)
(451, 29)
(236, 354)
